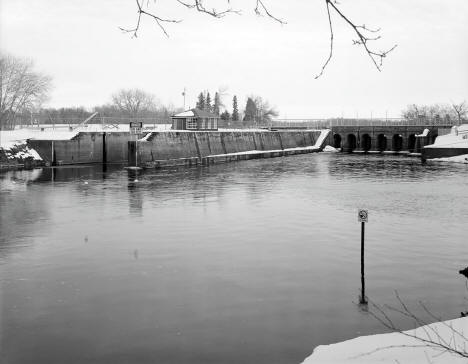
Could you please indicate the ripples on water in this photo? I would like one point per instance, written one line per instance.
(256, 261)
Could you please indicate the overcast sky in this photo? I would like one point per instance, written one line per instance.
(80, 45)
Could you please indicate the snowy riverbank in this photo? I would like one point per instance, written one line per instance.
(399, 347)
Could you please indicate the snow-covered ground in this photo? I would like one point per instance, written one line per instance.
(458, 138)
(10, 138)
(401, 348)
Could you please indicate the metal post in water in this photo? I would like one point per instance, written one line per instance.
(363, 282)
(362, 218)
(136, 150)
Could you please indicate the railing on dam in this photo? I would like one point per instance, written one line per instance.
(165, 123)
(329, 123)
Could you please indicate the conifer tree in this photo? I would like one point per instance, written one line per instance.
(201, 101)
(235, 109)
(217, 102)
(225, 115)
(208, 106)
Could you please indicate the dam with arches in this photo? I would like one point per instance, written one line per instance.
(382, 138)
(281, 137)
(362, 135)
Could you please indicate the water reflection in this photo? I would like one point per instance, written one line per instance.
(20, 215)
(387, 167)
(135, 195)
(256, 261)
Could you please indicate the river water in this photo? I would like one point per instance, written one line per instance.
(248, 262)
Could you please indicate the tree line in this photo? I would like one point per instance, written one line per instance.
(256, 111)
(453, 112)
(24, 91)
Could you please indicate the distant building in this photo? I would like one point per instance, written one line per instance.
(195, 119)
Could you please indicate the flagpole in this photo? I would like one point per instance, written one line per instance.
(183, 94)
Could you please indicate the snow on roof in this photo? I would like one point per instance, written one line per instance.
(195, 113)
(184, 114)
(204, 114)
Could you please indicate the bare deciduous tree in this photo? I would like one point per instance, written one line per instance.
(364, 36)
(133, 102)
(434, 111)
(21, 88)
(461, 110)
(265, 112)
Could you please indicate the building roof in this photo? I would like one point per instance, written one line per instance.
(184, 114)
(195, 113)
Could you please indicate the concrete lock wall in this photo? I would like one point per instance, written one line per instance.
(114, 147)
(116, 150)
(43, 148)
(85, 147)
(166, 145)
(235, 142)
(183, 145)
(269, 141)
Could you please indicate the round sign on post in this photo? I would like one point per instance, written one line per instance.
(363, 216)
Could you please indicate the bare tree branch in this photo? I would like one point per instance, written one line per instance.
(364, 34)
(258, 12)
(159, 21)
(330, 55)
(431, 337)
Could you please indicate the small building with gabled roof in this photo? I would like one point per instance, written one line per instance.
(195, 119)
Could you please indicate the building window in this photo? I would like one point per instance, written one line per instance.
(191, 123)
(215, 123)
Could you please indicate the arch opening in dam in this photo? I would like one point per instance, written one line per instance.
(366, 142)
(381, 142)
(411, 143)
(351, 142)
(397, 142)
(336, 141)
